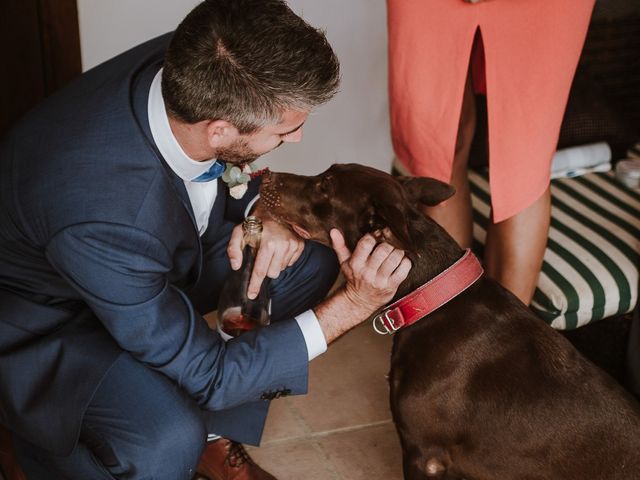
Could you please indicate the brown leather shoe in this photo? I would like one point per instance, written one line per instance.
(227, 460)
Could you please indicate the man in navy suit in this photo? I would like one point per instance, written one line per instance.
(116, 235)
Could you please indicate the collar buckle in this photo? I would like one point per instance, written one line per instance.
(441, 289)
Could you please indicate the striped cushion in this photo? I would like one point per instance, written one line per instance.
(590, 268)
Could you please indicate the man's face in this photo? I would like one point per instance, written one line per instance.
(246, 148)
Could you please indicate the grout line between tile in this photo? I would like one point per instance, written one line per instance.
(299, 417)
(313, 435)
(328, 463)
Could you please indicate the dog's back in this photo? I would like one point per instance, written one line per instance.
(483, 389)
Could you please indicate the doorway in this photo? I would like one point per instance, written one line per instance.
(39, 52)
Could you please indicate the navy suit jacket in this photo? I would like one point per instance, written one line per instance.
(98, 245)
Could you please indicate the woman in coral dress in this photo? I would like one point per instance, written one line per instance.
(525, 53)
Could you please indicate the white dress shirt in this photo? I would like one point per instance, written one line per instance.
(202, 195)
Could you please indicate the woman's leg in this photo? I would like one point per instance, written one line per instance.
(515, 248)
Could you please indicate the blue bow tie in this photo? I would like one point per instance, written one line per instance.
(215, 171)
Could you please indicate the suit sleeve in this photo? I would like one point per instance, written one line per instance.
(121, 273)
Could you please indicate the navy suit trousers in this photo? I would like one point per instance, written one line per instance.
(140, 424)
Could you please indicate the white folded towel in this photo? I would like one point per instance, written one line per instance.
(574, 161)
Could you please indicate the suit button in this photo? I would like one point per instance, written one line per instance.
(282, 393)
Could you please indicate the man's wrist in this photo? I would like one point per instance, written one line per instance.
(339, 314)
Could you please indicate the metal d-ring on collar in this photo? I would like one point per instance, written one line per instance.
(383, 328)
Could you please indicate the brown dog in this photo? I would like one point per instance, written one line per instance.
(480, 388)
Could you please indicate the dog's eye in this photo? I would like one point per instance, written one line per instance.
(324, 185)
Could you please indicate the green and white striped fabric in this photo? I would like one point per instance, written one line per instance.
(590, 268)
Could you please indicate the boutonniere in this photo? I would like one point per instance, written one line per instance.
(237, 178)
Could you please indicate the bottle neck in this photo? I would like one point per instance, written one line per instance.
(252, 232)
(252, 240)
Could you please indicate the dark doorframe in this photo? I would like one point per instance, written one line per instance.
(39, 53)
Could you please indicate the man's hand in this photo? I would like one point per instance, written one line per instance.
(373, 274)
(279, 248)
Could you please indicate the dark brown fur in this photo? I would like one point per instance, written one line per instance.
(481, 388)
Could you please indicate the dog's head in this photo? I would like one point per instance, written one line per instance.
(354, 199)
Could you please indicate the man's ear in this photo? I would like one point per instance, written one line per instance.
(221, 133)
(425, 190)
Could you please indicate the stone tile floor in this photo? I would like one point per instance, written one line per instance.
(342, 429)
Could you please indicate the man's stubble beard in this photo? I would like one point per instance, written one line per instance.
(238, 152)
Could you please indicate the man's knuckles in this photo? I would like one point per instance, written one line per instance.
(383, 250)
(365, 245)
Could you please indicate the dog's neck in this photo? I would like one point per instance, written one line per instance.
(435, 251)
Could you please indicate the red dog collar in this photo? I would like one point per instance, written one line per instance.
(430, 296)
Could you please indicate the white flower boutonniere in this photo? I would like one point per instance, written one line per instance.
(238, 191)
(237, 179)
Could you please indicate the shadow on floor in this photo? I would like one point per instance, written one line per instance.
(604, 343)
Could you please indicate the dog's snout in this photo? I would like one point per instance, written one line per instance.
(267, 177)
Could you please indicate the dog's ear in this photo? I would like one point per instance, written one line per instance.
(390, 224)
(425, 190)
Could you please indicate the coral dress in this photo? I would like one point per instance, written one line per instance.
(531, 50)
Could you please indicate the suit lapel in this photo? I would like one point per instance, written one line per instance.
(140, 96)
(219, 206)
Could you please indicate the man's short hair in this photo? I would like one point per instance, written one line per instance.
(246, 62)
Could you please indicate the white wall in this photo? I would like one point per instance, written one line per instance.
(109, 27)
(353, 127)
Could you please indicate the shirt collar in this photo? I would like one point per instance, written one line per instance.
(182, 165)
